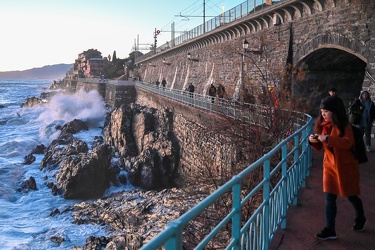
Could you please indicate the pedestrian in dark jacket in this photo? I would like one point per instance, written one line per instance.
(367, 117)
(212, 92)
(163, 83)
(191, 90)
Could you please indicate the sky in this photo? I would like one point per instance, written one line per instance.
(35, 33)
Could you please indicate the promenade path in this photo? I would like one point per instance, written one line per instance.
(306, 218)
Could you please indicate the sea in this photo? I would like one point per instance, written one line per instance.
(25, 220)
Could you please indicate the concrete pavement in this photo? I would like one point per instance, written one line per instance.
(307, 218)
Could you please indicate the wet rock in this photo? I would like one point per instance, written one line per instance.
(85, 176)
(54, 212)
(57, 239)
(128, 241)
(135, 217)
(74, 126)
(32, 102)
(96, 242)
(30, 158)
(29, 184)
(39, 149)
(56, 153)
(55, 190)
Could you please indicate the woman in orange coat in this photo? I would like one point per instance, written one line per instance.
(334, 134)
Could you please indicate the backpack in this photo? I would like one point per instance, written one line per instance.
(355, 112)
(359, 149)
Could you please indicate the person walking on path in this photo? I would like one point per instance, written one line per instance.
(191, 90)
(367, 117)
(212, 92)
(333, 134)
(333, 92)
(163, 83)
(220, 91)
(355, 111)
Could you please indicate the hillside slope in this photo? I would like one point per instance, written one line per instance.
(56, 71)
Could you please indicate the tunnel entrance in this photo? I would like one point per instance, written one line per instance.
(324, 68)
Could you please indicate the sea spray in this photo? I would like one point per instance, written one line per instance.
(88, 107)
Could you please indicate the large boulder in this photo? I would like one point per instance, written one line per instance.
(118, 133)
(32, 102)
(145, 140)
(29, 184)
(56, 152)
(85, 176)
(74, 126)
(30, 158)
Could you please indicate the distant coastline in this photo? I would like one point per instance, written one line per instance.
(57, 71)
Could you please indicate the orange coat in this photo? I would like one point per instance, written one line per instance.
(340, 168)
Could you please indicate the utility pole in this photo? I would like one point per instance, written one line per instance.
(155, 41)
(204, 16)
(172, 34)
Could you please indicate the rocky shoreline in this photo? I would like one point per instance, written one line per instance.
(136, 139)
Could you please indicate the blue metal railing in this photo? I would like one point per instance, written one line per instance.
(284, 170)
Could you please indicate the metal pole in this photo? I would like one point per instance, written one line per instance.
(204, 16)
(242, 78)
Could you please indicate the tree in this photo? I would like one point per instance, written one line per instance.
(114, 58)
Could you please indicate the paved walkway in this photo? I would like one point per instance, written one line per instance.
(307, 218)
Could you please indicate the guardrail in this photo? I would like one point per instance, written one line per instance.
(284, 170)
(106, 81)
(246, 112)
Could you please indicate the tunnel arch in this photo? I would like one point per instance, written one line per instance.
(328, 65)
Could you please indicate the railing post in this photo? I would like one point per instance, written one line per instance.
(284, 205)
(236, 220)
(266, 198)
(175, 243)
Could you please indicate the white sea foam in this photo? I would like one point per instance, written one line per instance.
(86, 106)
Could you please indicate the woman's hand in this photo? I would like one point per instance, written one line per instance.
(314, 138)
(317, 138)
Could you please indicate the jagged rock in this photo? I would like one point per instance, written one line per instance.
(128, 241)
(118, 132)
(47, 95)
(55, 190)
(85, 176)
(39, 149)
(145, 139)
(64, 138)
(96, 242)
(2, 106)
(30, 158)
(55, 154)
(29, 184)
(57, 239)
(54, 212)
(74, 126)
(135, 217)
(149, 172)
(32, 102)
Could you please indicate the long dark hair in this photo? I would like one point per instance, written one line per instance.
(339, 117)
